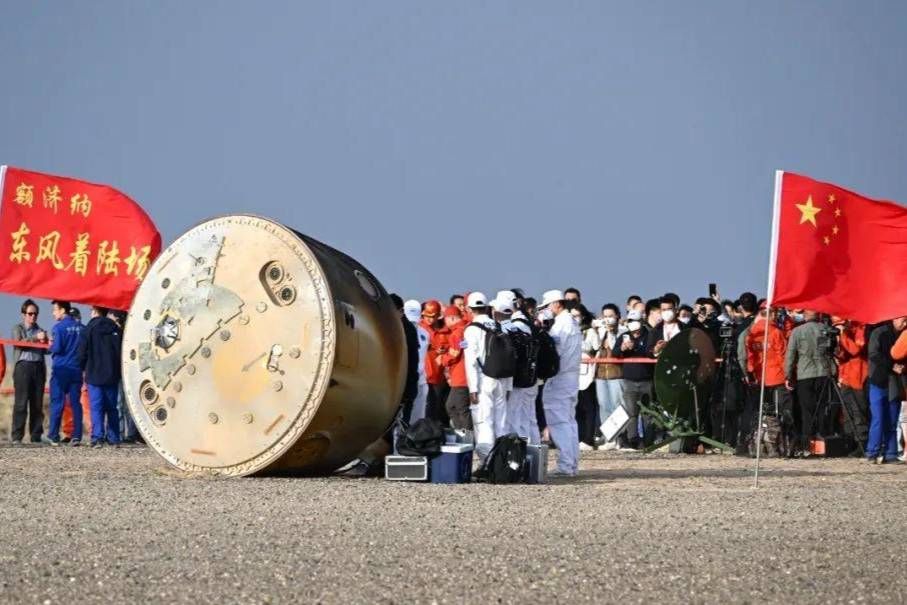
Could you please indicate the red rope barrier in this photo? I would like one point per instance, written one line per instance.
(23, 343)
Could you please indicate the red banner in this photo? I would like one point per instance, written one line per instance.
(70, 240)
(837, 252)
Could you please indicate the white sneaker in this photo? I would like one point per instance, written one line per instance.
(608, 446)
(585, 447)
(559, 473)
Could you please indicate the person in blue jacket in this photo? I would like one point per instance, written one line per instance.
(99, 357)
(66, 373)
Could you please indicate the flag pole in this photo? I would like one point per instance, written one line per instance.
(773, 257)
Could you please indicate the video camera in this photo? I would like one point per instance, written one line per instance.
(827, 342)
(726, 331)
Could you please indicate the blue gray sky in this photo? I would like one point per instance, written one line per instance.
(617, 147)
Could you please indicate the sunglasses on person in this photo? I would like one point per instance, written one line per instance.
(32, 313)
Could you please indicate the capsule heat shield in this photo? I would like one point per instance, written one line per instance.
(252, 348)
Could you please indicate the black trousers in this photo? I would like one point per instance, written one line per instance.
(856, 408)
(457, 408)
(586, 414)
(808, 391)
(436, 406)
(28, 382)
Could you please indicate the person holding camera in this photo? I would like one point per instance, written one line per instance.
(609, 384)
(637, 377)
(807, 369)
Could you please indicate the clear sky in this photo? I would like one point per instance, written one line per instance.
(618, 147)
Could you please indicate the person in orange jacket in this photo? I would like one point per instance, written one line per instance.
(853, 368)
(452, 360)
(773, 348)
(438, 388)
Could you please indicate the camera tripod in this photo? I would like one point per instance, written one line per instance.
(726, 371)
(829, 395)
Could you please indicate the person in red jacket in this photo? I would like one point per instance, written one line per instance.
(457, 404)
(434, 374)
(772, 348)
(853, 369)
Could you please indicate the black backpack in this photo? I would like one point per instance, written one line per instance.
(422, 438)
(527, 350)
(500, 355)
(506, 462)
(548, 362)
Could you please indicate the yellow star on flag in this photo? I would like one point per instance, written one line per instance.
(808, 211)
(827, 240)
(837, 213)
(831, 198)
(835, 230)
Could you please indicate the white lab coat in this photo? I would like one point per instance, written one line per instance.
(421, 400)
(489, 415)
(591, 345)
(561, 391)
(521, 417)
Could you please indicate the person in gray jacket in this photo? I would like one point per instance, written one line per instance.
(29, 376)
(807, 369)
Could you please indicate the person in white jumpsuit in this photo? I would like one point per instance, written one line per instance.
(487, 396)
(520, 401)
(412, 309)
(561, 391)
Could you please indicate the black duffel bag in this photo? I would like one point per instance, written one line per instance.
(422, 438)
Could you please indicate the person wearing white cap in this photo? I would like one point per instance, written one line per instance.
(412, 309)
(521, 417)
(487, 396)
(561, 391)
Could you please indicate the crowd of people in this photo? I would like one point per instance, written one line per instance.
(85, 364)
(820, 377)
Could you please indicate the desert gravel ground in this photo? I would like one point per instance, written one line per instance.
(81, 525)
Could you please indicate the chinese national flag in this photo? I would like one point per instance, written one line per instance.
(837, 252)
(66, 239)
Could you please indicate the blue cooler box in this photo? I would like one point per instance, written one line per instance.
(453, 464)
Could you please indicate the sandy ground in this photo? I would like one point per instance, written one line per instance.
(112, 525)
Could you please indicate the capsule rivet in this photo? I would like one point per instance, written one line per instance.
(212, 417)
(277, 385)
(295, 352)
(261, 307)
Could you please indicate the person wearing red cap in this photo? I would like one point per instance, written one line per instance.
(439, 335)
(452, 360)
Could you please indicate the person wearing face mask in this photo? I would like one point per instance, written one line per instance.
(587, 402)
(666, 329)
(685, 316)
(521, 415)
(438, 343)
(560, 392)
(637, 377)
(487, 396)
(609, 382)
(412, 309)
(807, 370)
(652, 313)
